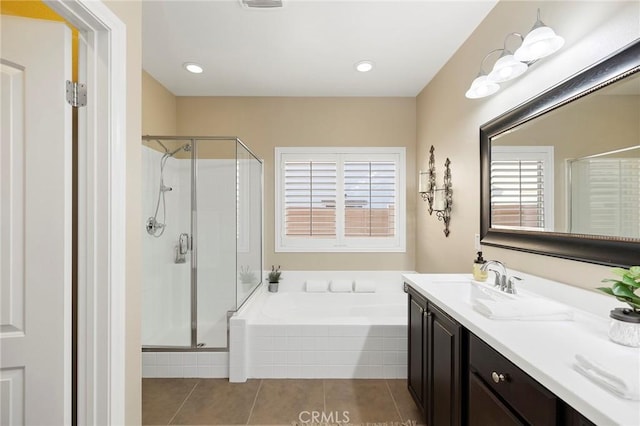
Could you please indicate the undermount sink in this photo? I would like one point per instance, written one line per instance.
(487, 291)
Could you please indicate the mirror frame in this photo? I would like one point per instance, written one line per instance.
(586, 248)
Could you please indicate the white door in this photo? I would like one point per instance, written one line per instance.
(35, 223)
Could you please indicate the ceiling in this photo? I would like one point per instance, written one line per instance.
(306, 48)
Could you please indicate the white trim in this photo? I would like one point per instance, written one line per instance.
(355, 245)
(101, 212)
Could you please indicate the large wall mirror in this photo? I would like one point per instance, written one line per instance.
(560, 174)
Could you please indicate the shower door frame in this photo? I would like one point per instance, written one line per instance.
(193, 242)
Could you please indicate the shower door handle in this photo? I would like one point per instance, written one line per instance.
(183, 243)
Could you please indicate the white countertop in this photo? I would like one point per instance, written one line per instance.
(545, 349)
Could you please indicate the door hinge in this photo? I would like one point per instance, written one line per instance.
(76, 94)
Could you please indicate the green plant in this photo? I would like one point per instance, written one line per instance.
(625, 287)
(274, 275)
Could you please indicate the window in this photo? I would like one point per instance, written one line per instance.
(605, 197)
(522, 187)
(340, 199)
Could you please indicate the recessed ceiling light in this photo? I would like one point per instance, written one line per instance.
(364, 66)
(193, 67)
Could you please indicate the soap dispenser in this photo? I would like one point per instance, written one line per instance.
(479, 274)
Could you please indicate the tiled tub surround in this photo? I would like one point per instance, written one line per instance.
(545, 350)
(294, 334)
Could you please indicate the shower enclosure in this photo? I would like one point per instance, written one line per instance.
(202, 238)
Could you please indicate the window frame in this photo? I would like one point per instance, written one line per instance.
(544, 154)
(341, 244)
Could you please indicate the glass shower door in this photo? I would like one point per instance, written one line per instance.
(166, 218)
(214, 217)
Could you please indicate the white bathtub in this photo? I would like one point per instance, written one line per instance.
(294, 334)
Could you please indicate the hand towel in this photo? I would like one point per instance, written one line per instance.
(317, 286)
(341, 286)
(619, 375)
(524, 310)
(364, 286)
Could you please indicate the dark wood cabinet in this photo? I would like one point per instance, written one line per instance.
(416, 350)
(435, 362)
(485, 408)
(445, 353)
(456, 378)
(525, 398)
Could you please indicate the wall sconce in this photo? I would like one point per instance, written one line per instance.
(541, 41)
(440, 199)
(443, 199)
(427, 181)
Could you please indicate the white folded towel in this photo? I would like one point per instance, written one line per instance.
(524, 309)
(364, 286)
(619, 375)
(317, 286)
(341, 286)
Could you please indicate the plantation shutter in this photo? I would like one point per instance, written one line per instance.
(370, 198)
(310, 199)
(609, 202)
(518, 193)
(340, 199)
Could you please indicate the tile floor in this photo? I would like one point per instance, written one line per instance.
(365, 402)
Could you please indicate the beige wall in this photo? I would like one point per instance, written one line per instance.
(449, 121)
(130, 13)
(264, 123)
(158, 108)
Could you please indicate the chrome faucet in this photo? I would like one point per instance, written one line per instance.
(502, 281)
(511, 285)
(501, 275)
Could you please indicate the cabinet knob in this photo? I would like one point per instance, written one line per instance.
(497, 378)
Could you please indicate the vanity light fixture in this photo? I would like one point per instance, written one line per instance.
(541, 41)
(364, 66)
(481, 85)
(507, 67)
(192, 67)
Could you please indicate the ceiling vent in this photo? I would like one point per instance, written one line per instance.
(262, 4)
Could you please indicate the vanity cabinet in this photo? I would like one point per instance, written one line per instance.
(506, 395)
(455, 378)
(435, 362)
(416, 376)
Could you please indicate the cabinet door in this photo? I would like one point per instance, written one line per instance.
(485, 408)
(445, 369)
(416, 373)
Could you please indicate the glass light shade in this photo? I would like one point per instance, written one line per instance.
(506, 68)
(481, 87)
(540, 42)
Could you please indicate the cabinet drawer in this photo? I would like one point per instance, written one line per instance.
(485, 408)
(535, 404)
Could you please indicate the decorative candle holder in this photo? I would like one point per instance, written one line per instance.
(440, 199)
(444, 199)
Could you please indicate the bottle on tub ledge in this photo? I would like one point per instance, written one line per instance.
(478, 274)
